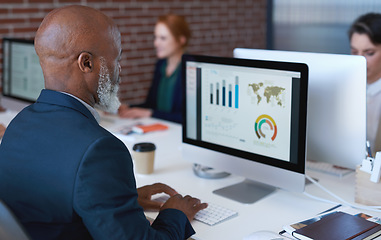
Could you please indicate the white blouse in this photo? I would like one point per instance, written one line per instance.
(373, 109)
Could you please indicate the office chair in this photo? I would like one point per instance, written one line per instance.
(10, 228)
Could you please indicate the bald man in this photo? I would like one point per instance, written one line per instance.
(63, 175)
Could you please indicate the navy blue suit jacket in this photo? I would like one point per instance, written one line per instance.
(65, 177)
(175, 115)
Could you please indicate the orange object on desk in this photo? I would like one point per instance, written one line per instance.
(149, 128)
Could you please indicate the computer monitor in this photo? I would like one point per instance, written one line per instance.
(246, 117)
(22, 74)
(336, 119)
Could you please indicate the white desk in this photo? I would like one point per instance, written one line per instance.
(270, 213)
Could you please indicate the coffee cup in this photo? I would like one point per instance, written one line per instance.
(144, 157)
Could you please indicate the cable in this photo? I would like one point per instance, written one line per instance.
(320, 199)
(342, 201)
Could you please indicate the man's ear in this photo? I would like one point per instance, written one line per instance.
(85, 62)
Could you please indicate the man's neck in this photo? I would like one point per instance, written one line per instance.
(90, 108)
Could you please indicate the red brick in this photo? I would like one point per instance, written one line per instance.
(25, 30)
(24, 10)
(4, 31)
(12, 1)
(11, 21)
(125, 1)
(40, 1)
(36, 20)
(96, 1)
(47, 10)
(108, 9)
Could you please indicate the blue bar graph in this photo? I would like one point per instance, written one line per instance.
(230, 95)
(223, 92)
(211, 93)
(217, 94)
(236, 92)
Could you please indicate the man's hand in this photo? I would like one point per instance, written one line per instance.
(188, 205)
(145, 193)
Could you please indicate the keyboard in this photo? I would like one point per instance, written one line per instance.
(327, 168)
(214, 214)
(211, 215)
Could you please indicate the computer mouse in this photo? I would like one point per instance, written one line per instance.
(264, 235)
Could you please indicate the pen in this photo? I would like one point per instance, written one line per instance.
(368, 149)
(333, 208)
(287, 229)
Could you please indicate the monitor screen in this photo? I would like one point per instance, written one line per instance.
(22, 73)
(246, 117)
(336, 119)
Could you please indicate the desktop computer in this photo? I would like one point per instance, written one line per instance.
(22, 79)
(336, 116)
(246, 117)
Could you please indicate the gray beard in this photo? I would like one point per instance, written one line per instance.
(107, 92)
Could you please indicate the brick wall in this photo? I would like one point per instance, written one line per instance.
(218, 26)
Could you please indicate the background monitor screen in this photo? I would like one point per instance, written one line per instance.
(336, 119)
(22, 73)
(246, 117)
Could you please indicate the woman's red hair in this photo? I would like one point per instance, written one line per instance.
(177, 25)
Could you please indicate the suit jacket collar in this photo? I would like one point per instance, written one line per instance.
(64, 100)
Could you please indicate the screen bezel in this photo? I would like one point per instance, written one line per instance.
(10, 41)
(297, 164)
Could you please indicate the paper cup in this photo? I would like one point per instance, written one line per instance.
(143, 155)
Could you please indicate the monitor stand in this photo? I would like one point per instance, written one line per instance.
(247, 191)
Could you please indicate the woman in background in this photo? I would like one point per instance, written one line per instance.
(365, 40)
(164, 99)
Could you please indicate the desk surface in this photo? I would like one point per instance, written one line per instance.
(270, 213)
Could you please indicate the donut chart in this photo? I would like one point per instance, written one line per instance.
(265, 119)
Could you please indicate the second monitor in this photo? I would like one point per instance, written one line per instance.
(336, 118)
(22, 74)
